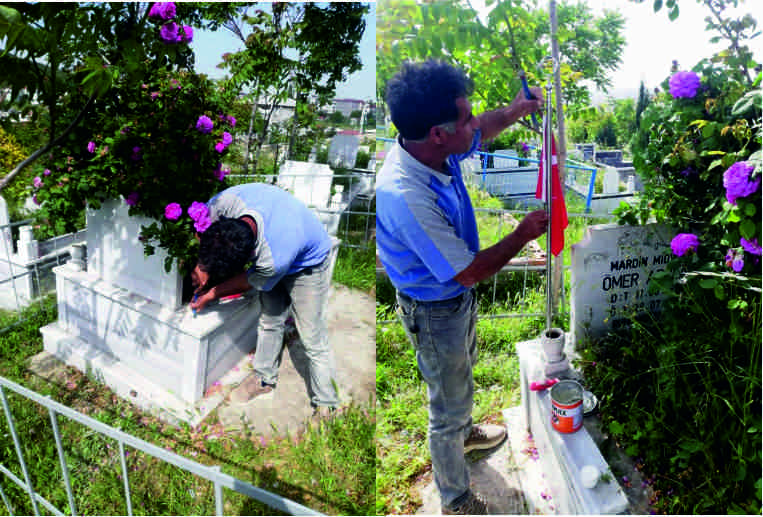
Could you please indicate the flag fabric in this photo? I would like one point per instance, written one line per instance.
(558, 221)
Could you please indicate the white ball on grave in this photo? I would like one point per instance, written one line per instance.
(589, 476)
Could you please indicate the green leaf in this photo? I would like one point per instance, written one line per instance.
(719, 292)
(714, 164)
(657, 5)
(749, 209)
(673, 13)
(708, 283)
(747, 229)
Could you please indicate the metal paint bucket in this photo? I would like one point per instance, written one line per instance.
(566, 406)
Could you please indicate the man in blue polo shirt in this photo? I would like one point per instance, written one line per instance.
(428, 243)
(287, 248)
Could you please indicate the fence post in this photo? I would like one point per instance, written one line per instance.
(62, 459)
(19, 453)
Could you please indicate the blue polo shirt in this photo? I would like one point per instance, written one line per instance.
(426, 232)
(290, 237)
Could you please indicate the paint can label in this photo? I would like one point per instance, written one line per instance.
(567, 406)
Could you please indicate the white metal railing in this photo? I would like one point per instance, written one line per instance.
(213, 474)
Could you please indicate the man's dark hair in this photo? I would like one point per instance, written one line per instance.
(224, 249)
(423, 95)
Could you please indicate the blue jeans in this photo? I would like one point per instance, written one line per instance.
(443, 334)
(306, 294)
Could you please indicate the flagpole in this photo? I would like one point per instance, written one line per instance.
(547, 170)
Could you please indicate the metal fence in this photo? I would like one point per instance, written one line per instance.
(213, 474)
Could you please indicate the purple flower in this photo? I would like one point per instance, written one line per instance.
(525, 147)
(132, 198)
(187, 34)
(91, 147)
(231, 120)
(173, 211)
(220, 147)
(204, 124)
(737, 182)
(169, 32)
(37, 182)
(202, 224)
(220, 173)
(683, 243)
(684, 85)
(735, 260)
(36, 201)
(198, 210)
(227, 139)
(687, 172)
(46, 172)
(154, 95)
(135, 154)
(163, 10)
(751, 247)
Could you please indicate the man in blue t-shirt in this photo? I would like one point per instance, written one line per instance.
(287, 248)
(428, 243)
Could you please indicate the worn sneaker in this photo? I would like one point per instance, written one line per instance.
(251, 387)
(474, 504)
(486, 436)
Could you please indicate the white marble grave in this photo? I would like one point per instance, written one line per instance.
(611, 270)
(343, 150)
(145, 346)
(563, 456)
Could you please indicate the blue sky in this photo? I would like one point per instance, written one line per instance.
(210, 46)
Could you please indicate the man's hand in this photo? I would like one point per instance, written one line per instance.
(201, 300)
(521, 106)
(199, 278)
(533, 225)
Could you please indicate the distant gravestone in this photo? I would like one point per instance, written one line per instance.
(505, 163)
(611, 270)
(308, 182)
(588, 151)
(343, 150)
(611, 181)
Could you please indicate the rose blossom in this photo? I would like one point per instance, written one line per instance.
(735, 260)
(220, 147)
(198, 210)
(173, 211)
(187, 34)
(202, 224)
(204, 124)
(37, 182)
(169, 32)
(163, 10)
(683, 243)
(91, 147)
(684, 85)
(132, 199)
(231, 120)
(46, 172)
(751, 247)
(737, 182)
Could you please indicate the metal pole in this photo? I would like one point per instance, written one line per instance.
(20, 455)
(62, 459)
(547, 132)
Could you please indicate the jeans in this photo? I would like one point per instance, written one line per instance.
(443, 334)
(306, 294)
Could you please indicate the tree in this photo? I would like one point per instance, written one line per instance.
(46, 52)
(590, 47)
(297, 50)
(642, 103)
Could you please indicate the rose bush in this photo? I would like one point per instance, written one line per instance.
(157, 140)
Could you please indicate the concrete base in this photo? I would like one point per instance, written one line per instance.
(562, 456)
(147, 353)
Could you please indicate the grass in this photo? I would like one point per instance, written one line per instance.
(329, 468)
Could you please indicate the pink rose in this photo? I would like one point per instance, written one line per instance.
(173, 211)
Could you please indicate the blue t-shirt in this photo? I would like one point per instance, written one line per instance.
(290, 237)
(426, 232)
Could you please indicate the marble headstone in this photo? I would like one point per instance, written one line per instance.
(343, 150)
(308, 182)
(611, 271)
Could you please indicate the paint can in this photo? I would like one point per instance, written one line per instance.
(567, 406)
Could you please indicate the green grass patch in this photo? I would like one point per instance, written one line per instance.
(330, 469)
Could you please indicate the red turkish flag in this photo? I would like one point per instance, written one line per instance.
(558, 220)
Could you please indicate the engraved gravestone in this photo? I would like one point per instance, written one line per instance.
(611, 271)
(501, 162)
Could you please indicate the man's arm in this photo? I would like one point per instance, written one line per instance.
(493, 122)
(489, 261)
(234, 285)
